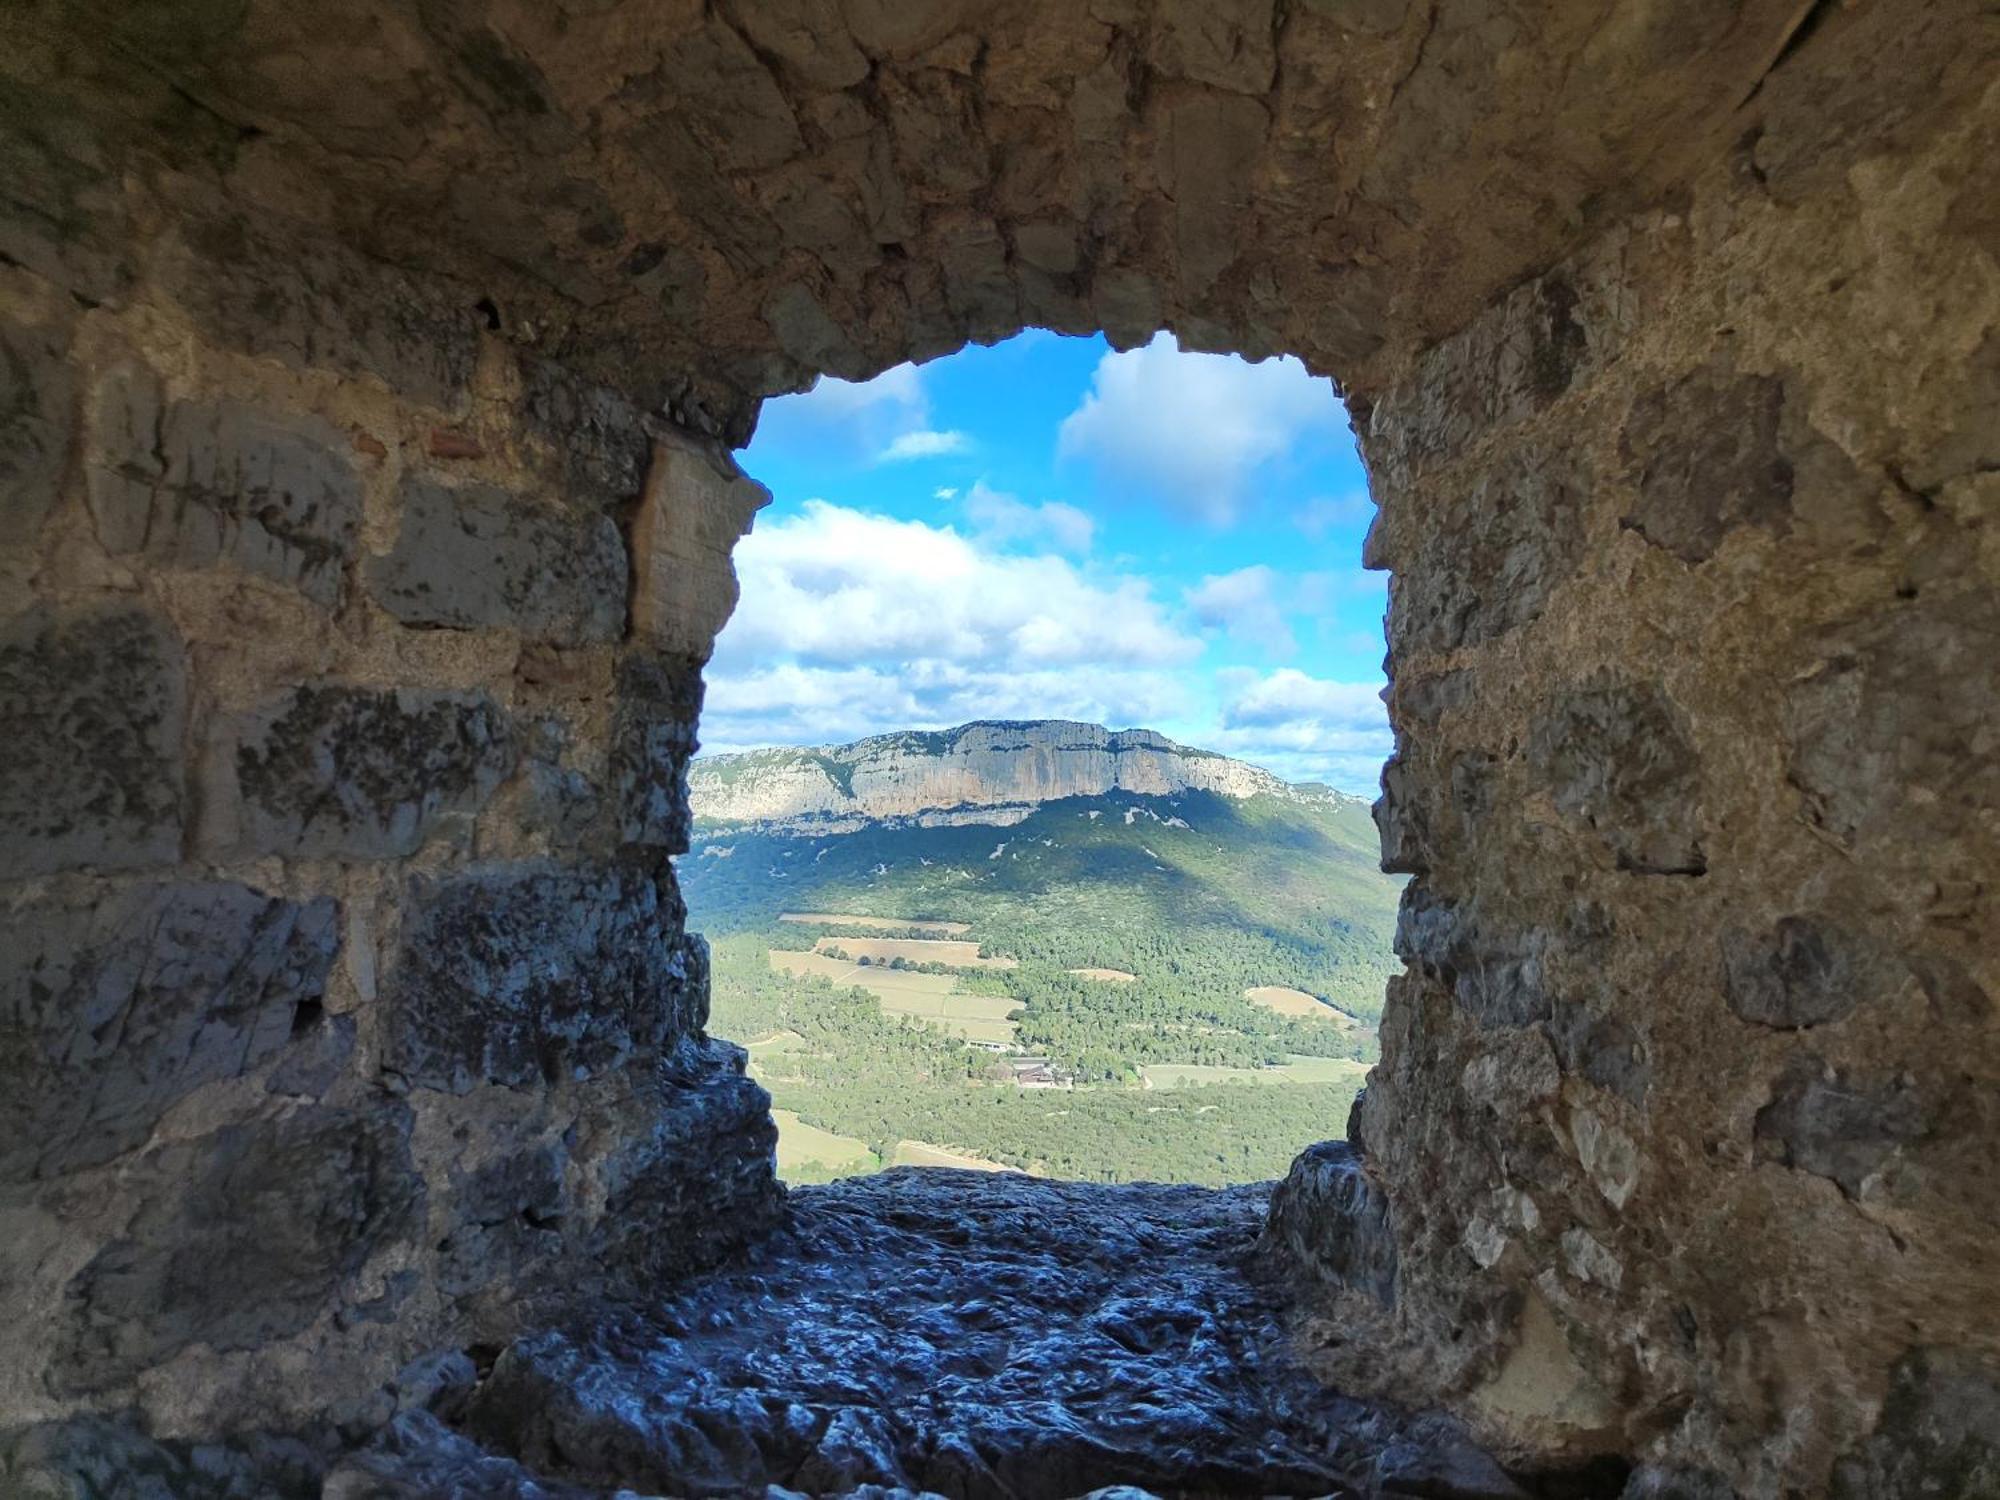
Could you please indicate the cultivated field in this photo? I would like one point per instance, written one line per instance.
(799, 1143)
(884, 924)
(923, 1154)
(914, 951)
(928, 997)
(1298, 1070)
(1288, 1002)
(1109, 976)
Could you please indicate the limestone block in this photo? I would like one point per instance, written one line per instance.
(1804, 972)
(1845, 1125)
(241, 1238)
(1602, 1050)
(652, 740)
(696, 506)
(193, 483)
(114, 1007)
(37, 398)
(1938, 1434)
(92, 705)
(363, 773)
(1333, 1220)
(1703, 453)
(1616, 758)
(477, 556)
(536, 974)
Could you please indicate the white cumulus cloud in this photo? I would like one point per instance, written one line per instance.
(1306, 728)
(1247, 605)
(923, 442)
(1192, 430)
(1002, 519)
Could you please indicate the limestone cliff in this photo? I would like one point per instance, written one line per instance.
(980, 772)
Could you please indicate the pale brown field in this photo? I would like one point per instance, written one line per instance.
(889, 924)
(915, 951)
(1109, 976)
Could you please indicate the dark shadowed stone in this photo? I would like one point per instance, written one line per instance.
(1803, 973)
(652, 739)
(242, 1238)
(114, 1008)
(37, 396)
(1898, 724)
(1839, 1125)
(1332, 1219)
(1495, 976)
(477, 556)
(193, 483)
(534, 974)
(1615, 757)
(504, 1217)
(663, 1220)
(1490, 561)
(1398, 822)
(605, 448)
(321, 1048)
(417, 1457)
(365, 773)
(1600, 1049)
(1676, 1482)
(112, 1458)
(92, 702)
(1938, 1435)
(1703, 453)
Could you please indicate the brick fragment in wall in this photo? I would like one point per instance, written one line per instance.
(475, 556)
(93, 700)
(190, 483)
(240, 1238)
(115, 1006)
(539, 974)
(332, 770)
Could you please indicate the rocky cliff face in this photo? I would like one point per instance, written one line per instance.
(978, 772)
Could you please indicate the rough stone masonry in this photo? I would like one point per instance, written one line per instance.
(368, 373)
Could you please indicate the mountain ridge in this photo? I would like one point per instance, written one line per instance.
(988, 771)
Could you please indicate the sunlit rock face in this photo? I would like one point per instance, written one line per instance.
(1002, 766)
(369, 372)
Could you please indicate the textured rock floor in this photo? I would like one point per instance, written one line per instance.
(928, 1330)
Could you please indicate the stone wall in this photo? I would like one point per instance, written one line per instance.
(365, 535)
(346, 689)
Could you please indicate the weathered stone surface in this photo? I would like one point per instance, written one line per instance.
(37, 412)
(1616, 759)
(92, 704)
(115, 1007)
(190, 483)
(1703, 454)
(652, 741)
(1939, 1433)
(110, 1458)
(535, 974)
(1897, 722)
(478, 556)
(364, 773)
(241, 1238)
(1842, 1125)
(1804, 973)
(934, 1331)
(1335, 1223)
(1600, 1049)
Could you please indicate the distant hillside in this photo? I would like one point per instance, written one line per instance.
(992, 772)
(920, 935)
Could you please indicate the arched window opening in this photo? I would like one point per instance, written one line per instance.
(1032, 823)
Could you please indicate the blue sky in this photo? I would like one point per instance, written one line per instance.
(1048, 529)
